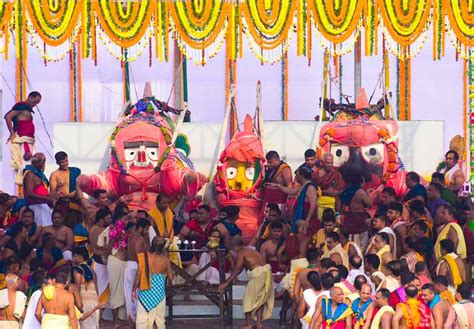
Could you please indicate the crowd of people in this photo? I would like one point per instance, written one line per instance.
(338, 254)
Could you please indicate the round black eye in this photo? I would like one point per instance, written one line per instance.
(132, 153)
(153, 153)
(372, 151)
(338, 153)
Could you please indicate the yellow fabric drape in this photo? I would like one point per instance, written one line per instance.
(160, 223)
(461, 249)
(380, 253)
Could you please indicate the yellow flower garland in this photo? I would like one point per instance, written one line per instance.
(53, 24)
(199, 25)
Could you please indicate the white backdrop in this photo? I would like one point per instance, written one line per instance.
(436, 89)
(290, 139)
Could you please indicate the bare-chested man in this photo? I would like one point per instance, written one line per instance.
(12, 308)
(450, 264)
(63, 181)
(301, 281)
(383, 317)
(101, 247)
(20, 124)
(35, 187)
(439, 308)
(138, 242)
(354, 201)
(258, 297)
(63, 234)
(101, 200)
(269, 248)
(65, 176)
(151, 305)
(453, 172)
(414, 309)
(58, 305)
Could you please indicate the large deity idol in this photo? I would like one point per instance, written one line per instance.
(144, 160)
(239, 177)
(363, 143)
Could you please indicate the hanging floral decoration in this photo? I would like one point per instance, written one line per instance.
(201, 27)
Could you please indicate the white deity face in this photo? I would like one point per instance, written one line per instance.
(141, 155)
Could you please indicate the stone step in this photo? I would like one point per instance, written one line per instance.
(214, 311)
(237, 293)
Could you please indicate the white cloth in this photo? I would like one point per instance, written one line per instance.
(354, 273)
(42, 214)
(102, 277)
(145, 320)
(449, 174)
(389, 231)
(17, 151)
(5, 324)
(67, 255)
(31, 322)
(20, 301)
(311, 299)
(130, 304)
(211, 274)
(151, 234)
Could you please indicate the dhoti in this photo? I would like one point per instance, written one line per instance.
(116, 274)
(89, 301)
(42, 214)
(100, 271)
(130, 272)
(259, 292)
(55, 321)
(156, 315)
(288, 281)
(30, 321)
(17, 151)
(9, 324)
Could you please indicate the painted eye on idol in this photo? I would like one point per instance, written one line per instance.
(152, 153)
(231, 172)
(250, 173)
(340, 154)
(131, 153)
(373, 153)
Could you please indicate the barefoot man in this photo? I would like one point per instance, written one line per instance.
(19, 122)
(64, 235)
(258, 297)
(137, 243)
(58, 305)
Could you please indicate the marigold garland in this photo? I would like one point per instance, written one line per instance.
(75, 86)
(284, 85)
(54, 26)
(21, 50)
(337, 20)
(405, 25)
(124, 28)
(470, 75)
(201, 26)
(270, 27)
